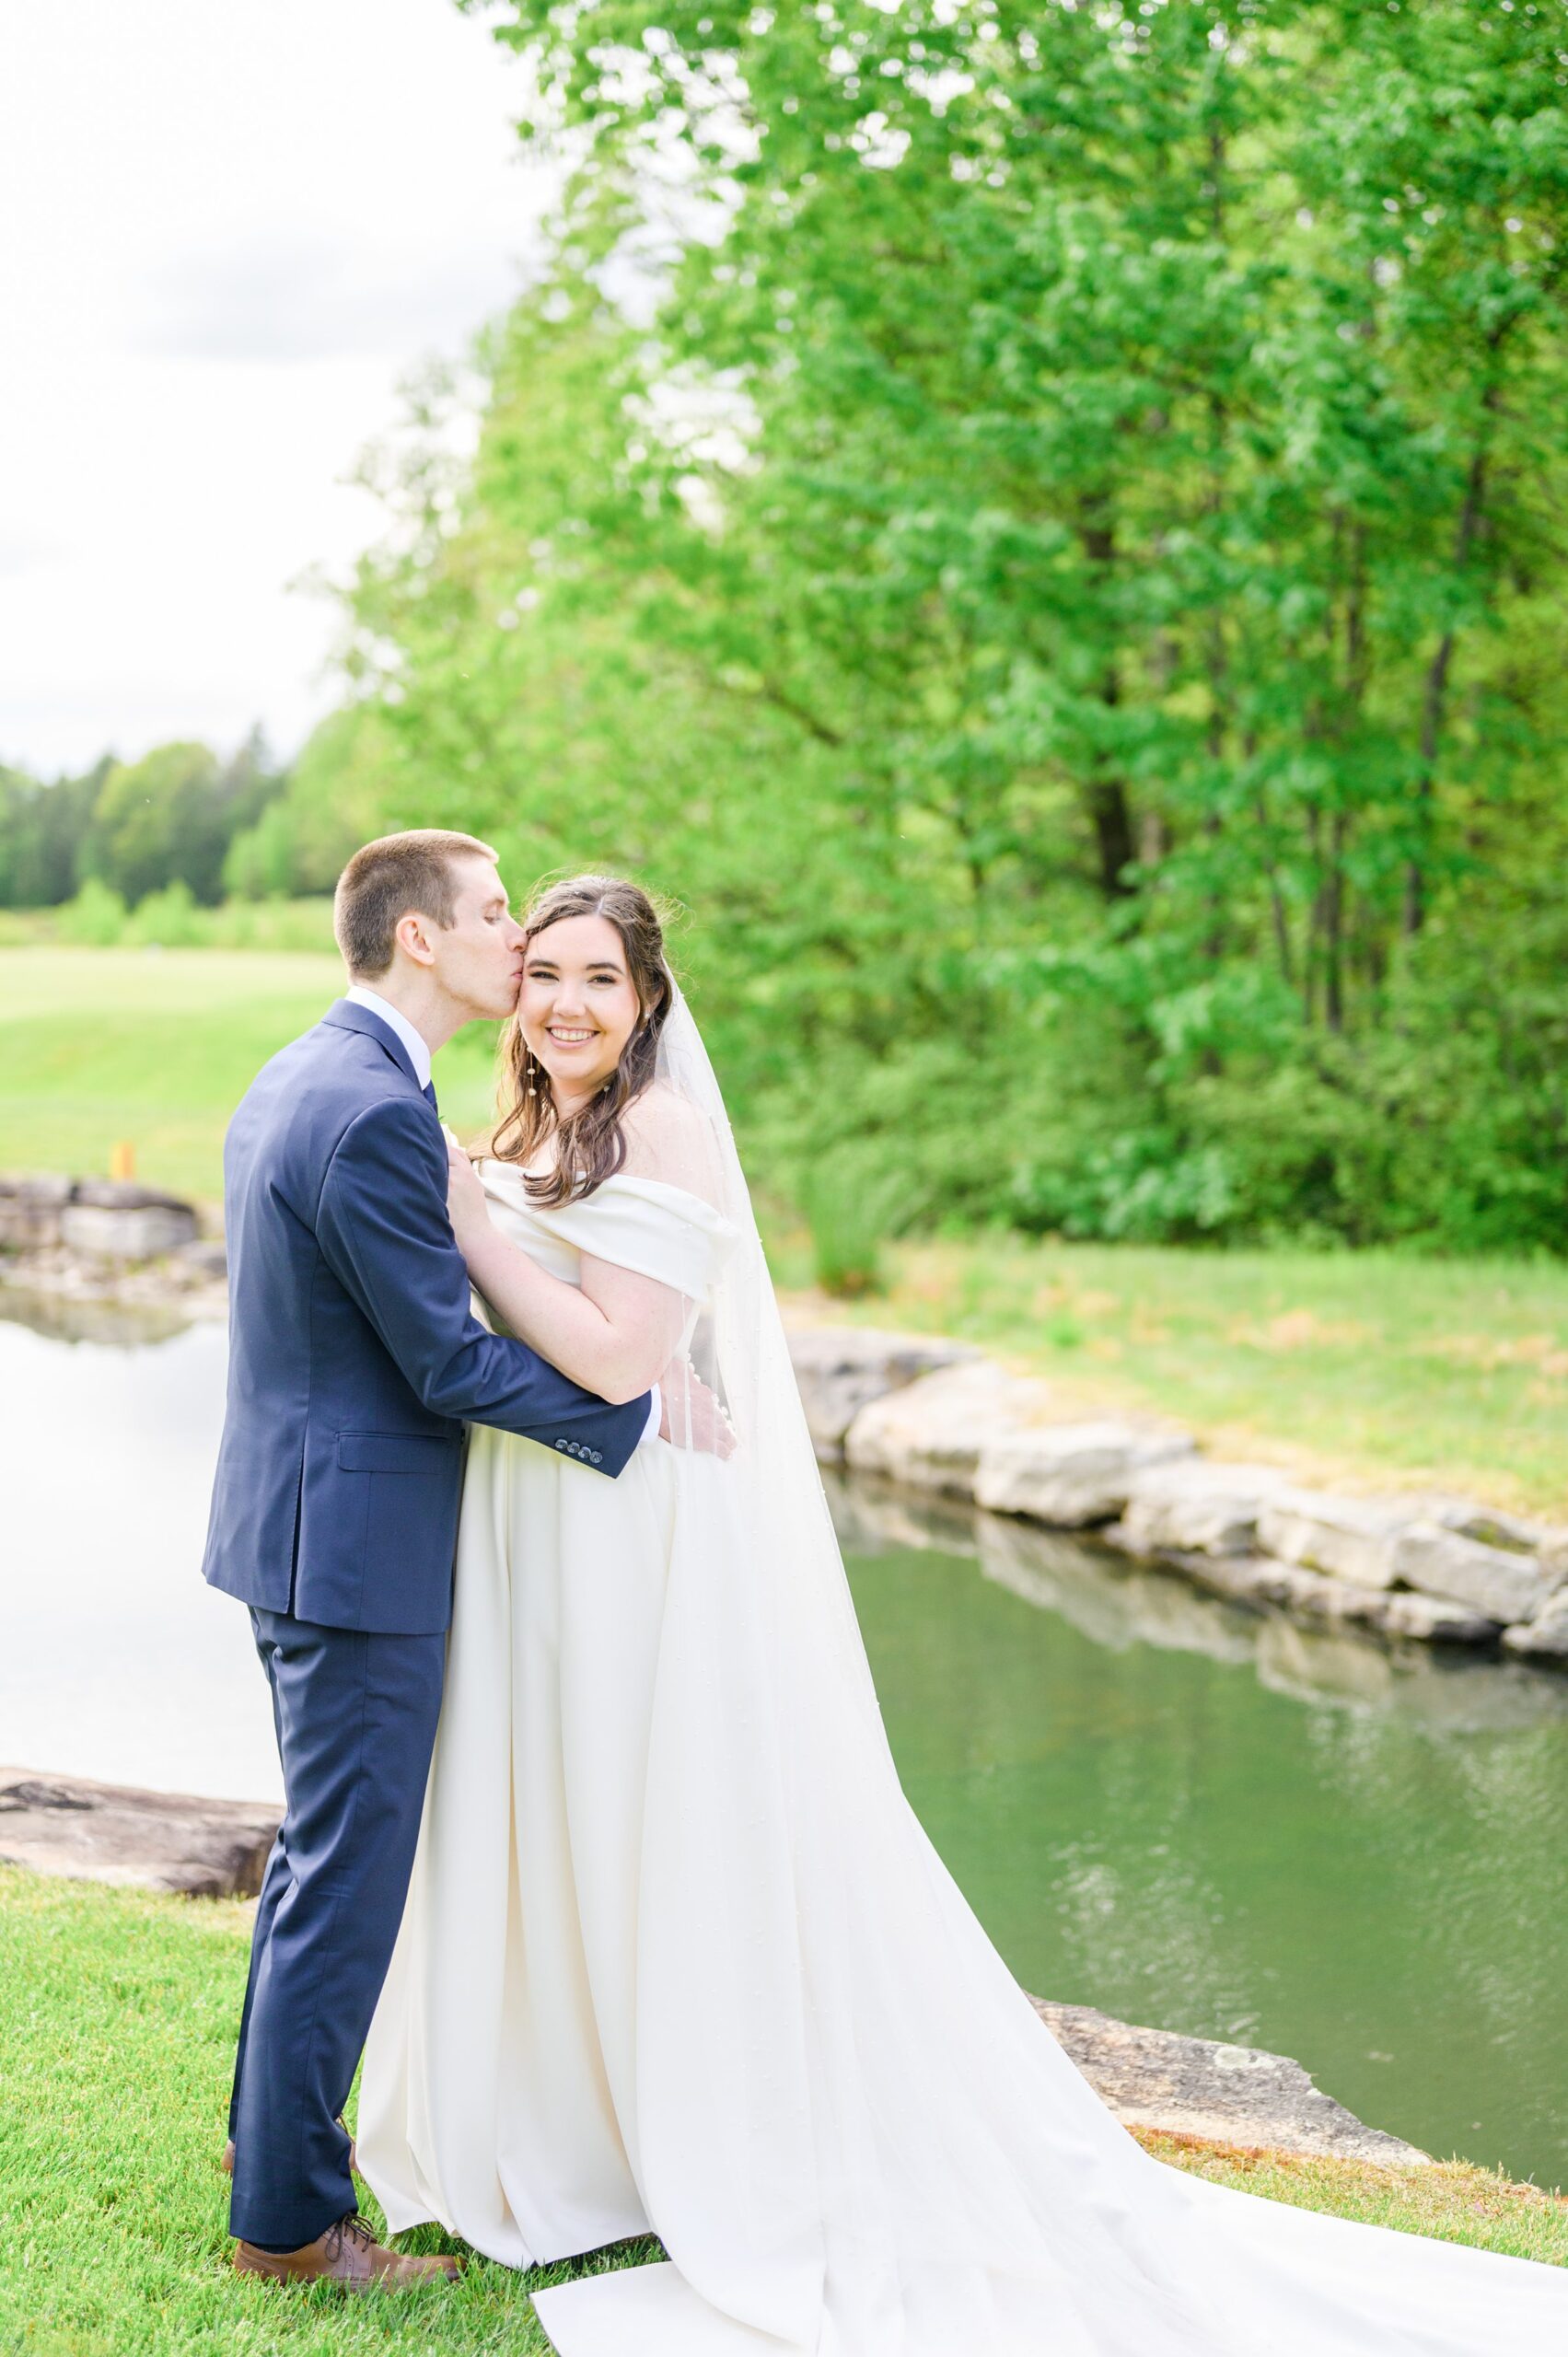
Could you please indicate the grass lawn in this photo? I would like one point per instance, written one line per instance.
(117, 2020)
(1364, 1369)
(157, 1047)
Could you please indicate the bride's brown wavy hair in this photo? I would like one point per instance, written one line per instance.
(591, 1146)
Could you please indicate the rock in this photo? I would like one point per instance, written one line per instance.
(1071, 1475)
(205, 1259)
(1547, 1635)
(30, 1211)
(124, 1195)
(1490, 1525)
(119, 1221)
(66, 1825)
(930, 1435)
(1501, 1583)
(841, 1369)
(1199, 2086)
(1196, 1507)
(1348, 1537)
(1408, 1613)
(1553, 1560)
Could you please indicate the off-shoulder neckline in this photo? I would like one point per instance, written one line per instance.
(619, 1178)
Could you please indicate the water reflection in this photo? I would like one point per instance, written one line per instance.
(1117, 1603)
(1221, 1823)
(116, 1660)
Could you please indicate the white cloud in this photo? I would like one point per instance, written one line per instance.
(226, 234)
(288, 299)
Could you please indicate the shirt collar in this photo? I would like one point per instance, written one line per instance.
(418, 1053)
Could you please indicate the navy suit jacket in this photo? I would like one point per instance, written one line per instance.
(355, 1359)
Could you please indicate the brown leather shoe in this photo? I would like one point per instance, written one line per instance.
(228, 2162)
(348, 2254)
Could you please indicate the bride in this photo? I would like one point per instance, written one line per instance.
(677, 1957)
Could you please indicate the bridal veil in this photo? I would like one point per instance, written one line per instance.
(853, 2132)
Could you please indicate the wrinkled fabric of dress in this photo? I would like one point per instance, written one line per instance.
(678, 1958)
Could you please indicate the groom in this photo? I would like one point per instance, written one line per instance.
(355, 1363)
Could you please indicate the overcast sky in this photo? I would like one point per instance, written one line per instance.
(226, 232)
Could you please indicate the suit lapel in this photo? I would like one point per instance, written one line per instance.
(348, 1017)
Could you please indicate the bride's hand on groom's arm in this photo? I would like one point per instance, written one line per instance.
(465, 1197)
(692, 1417)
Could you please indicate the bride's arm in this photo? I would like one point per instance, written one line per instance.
(615, 1337)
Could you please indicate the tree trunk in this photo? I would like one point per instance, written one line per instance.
(1435, 698)
(1109, 809)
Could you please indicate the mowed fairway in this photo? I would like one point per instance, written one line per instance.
(157, 1047)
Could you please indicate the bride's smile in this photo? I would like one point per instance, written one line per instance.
(577, 1006)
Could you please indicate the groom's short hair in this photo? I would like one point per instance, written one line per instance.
(387, 878)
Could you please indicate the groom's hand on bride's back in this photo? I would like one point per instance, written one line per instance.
(692, 1417)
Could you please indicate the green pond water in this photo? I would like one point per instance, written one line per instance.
(1188, 1815)
(1221, 1824)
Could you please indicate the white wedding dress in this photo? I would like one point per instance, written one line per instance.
(678, 1958)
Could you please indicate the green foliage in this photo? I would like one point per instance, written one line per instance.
(166, 920)
(168, 817)
(1062, 589)
(41, 829)
(95, 918)
(98, 918)
(329, 805)
(852, 1202)
(136, 828)
(1052, 552)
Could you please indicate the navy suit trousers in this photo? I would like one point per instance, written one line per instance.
(355, 1712)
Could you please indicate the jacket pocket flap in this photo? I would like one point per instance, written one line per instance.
(395, 1453)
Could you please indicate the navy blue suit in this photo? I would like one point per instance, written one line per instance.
(354, 1363)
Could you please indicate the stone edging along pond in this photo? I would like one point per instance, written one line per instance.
(935, 1416)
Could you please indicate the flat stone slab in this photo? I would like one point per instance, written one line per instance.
(68, 1825)
(1497, 1581)
(1073, 1475)
(1198, 1506)
(930, 1436)
(1198, 2086)
(1349, 1538)
(841, 1369)
(144, 1232)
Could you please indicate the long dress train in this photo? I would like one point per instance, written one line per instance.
(677, 1956)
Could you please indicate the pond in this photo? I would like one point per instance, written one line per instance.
(1180, 1813)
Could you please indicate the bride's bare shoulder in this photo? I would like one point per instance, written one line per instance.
(668, 1138)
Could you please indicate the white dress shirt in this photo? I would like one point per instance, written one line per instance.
(419, 1056)
(414, 1041)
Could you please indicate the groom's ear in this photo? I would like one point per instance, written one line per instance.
(412, 935)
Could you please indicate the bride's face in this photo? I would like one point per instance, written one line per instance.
(577, 1006)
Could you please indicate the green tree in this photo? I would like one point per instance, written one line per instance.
(169, 817)
(330, 804)
(1053, 553)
